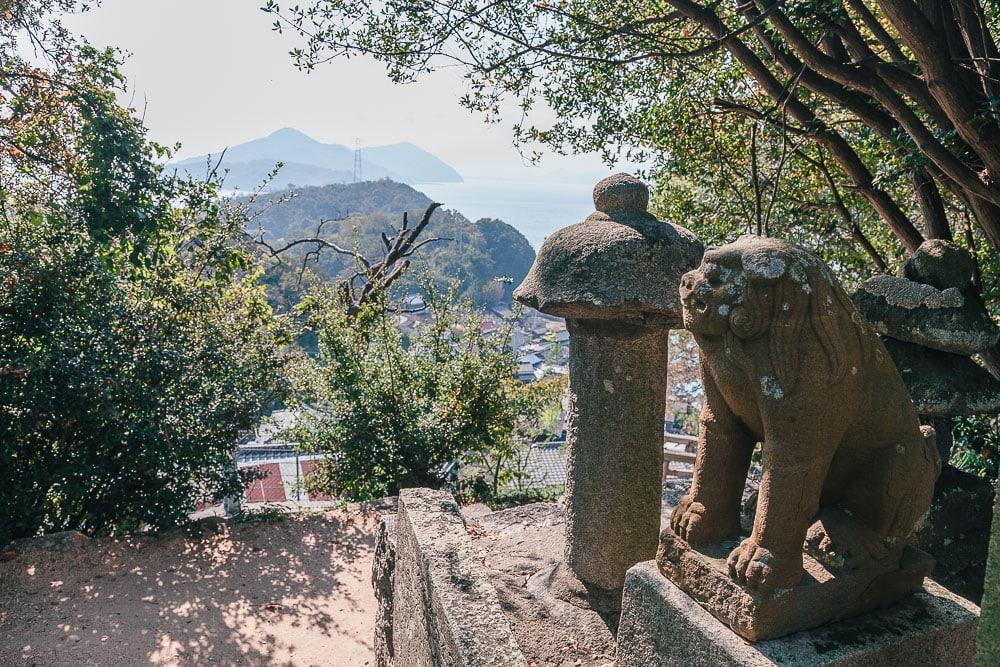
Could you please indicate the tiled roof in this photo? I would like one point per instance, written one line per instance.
(258, 454)
(545, 465)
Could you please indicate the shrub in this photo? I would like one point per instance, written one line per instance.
(122, 391)
(390, 415)
(977, 445)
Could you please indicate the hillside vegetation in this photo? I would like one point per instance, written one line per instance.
(475, 254)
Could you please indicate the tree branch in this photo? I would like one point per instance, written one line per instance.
(834, 143)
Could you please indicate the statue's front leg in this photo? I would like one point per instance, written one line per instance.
(787, 504)
(711, 511)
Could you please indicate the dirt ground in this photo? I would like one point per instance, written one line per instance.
(289, 591)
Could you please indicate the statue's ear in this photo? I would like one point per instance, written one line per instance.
(791, 304)
(829, 300)
(749, 319)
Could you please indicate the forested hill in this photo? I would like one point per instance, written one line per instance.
(475, 253)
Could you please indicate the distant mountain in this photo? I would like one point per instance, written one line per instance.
(412, 163)
(310, 162)
(249, 175)
(475, 253)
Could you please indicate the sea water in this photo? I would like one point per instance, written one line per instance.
(534, 208)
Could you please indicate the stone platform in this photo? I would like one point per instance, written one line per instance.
(661, 625)
(441, 605)
(468, 588)
(519, 548)
(827, 592)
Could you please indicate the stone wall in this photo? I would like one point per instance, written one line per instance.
(383, 570)
(443, 609)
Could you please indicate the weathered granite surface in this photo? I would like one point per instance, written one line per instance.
(445, 610)
(614, 278)
(945, 320)
(788, 362)
(383, 567)
(941, 264)
(662, 626)
(957, 531)
(619, 263)
(827, 592)
(614, 431)
(942, 384)
(516, 547)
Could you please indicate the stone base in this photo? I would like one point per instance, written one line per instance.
(556, 585)
(445, 611)
(826, 593)
(661, 625)
(552, 618)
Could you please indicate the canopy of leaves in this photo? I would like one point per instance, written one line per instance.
(121, 396)
(854, 127)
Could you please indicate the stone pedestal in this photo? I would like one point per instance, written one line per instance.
(989, 635)
(661, 625)
(826, 592)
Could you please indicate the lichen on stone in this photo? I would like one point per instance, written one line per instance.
(771, 387)
(763, 264)
(905, 293)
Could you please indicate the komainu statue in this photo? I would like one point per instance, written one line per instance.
(847, 470)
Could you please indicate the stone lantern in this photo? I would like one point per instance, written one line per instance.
(615, 278)
(933, 321)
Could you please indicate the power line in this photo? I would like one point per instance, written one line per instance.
(357, 160)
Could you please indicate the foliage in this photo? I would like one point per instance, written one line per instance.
(683, 374)
(390, 415)
(977, 445)
(135, 344)
(122, 392)
(838, 124)
(540, 404)
(67, 144)
(854, 129)
(507, 499)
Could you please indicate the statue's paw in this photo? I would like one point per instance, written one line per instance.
(690, 522)
(678, 514)
(761, 569)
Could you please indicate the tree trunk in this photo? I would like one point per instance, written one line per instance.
(980, 43)
(931, 206)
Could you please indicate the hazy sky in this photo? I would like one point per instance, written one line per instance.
(211, 73)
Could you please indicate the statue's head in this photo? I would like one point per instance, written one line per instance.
(711, 292)
(756, 286)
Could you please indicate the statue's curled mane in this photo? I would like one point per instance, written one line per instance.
(781, 305)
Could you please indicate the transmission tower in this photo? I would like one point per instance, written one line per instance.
(357, 160)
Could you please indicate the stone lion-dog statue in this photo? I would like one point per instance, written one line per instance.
(787, 361)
